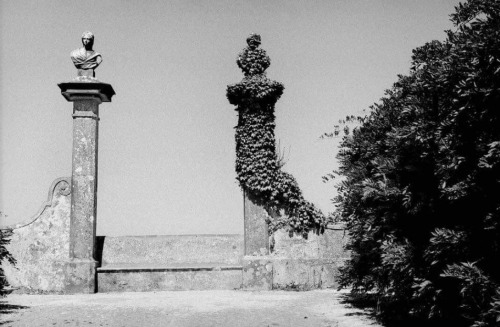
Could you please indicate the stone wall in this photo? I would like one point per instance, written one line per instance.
(296, 263)
(41, 245)
(171, 250)
(310, 263)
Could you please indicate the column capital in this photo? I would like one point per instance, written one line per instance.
(76, 90)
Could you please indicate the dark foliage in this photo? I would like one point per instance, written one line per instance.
(5, 256)
(421, 192)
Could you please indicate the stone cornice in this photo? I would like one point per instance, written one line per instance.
(75, 90)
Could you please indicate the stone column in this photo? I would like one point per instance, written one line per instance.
(86, 98)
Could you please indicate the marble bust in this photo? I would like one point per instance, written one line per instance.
(85, 58)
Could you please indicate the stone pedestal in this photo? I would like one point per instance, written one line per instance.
(80, 276)
(86, 97)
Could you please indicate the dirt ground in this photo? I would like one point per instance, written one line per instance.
(319, 308)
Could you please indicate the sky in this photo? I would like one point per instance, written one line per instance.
(166, 141)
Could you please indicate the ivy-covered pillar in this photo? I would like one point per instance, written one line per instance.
(256, 162)
(272, 197)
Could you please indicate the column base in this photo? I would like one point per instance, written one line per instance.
(80, 277)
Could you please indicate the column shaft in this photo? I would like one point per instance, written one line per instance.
(84, 178)
(256, 227)
(81, 267)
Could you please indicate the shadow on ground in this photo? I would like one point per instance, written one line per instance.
(366, 303)
(393, 317)
(6, 308)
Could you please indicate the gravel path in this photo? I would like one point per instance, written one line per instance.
(319, 308)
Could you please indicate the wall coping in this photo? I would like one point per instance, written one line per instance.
(65, 190)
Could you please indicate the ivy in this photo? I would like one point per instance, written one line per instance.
(257, 165)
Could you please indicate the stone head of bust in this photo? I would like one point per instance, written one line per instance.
(88, 40)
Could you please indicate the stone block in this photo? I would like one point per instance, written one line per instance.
(257, 273)
(141, 279)
(225, 249)
(329, 245)
(296, 247)
(80, 276)
(304, 274)
(304, 264)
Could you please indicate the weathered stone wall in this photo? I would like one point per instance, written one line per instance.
(296, 263)
(310, 263)
(329, 245)
(171, 250)
(41, 245)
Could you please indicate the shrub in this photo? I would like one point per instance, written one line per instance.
(5, 256)
(422, 178)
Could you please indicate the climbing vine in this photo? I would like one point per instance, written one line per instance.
(257, 165)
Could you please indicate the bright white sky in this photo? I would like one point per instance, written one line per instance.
(166, 143)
